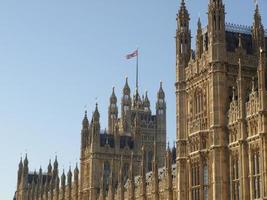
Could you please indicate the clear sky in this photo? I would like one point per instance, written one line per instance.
(56, 56)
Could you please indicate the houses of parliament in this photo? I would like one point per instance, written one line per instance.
(221, 134)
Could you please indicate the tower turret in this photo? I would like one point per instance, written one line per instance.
(76, 182)
(183, 36)
(112, 112)
(216, 30)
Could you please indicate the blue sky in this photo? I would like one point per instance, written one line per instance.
(56, 56)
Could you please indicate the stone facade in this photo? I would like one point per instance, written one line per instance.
(221, 137)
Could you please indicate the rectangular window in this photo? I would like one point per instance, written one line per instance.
(195, 182)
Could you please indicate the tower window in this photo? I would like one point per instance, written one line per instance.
(106, 175)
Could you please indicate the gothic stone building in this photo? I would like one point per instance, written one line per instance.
(221, 137)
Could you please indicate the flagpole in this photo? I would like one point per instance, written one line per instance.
(137, 70)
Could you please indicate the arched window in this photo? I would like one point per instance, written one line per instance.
(106, 175)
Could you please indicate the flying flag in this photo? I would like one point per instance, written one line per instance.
(132, 55)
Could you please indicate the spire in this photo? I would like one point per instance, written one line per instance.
(76, 182)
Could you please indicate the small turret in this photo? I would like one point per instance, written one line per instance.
(95, 121)
(216, 30)
(112, 112)
(257, 31)
(199, 40)
(137, 102)
(183, 36)
(146, 103)
(85, 137)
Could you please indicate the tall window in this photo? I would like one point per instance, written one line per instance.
(256, 174)
(125, 172)
(198, 102)
(206, 181)
(235, 178)
(195, 181)
(106, 174)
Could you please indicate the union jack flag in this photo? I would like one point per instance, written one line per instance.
(132, 55)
